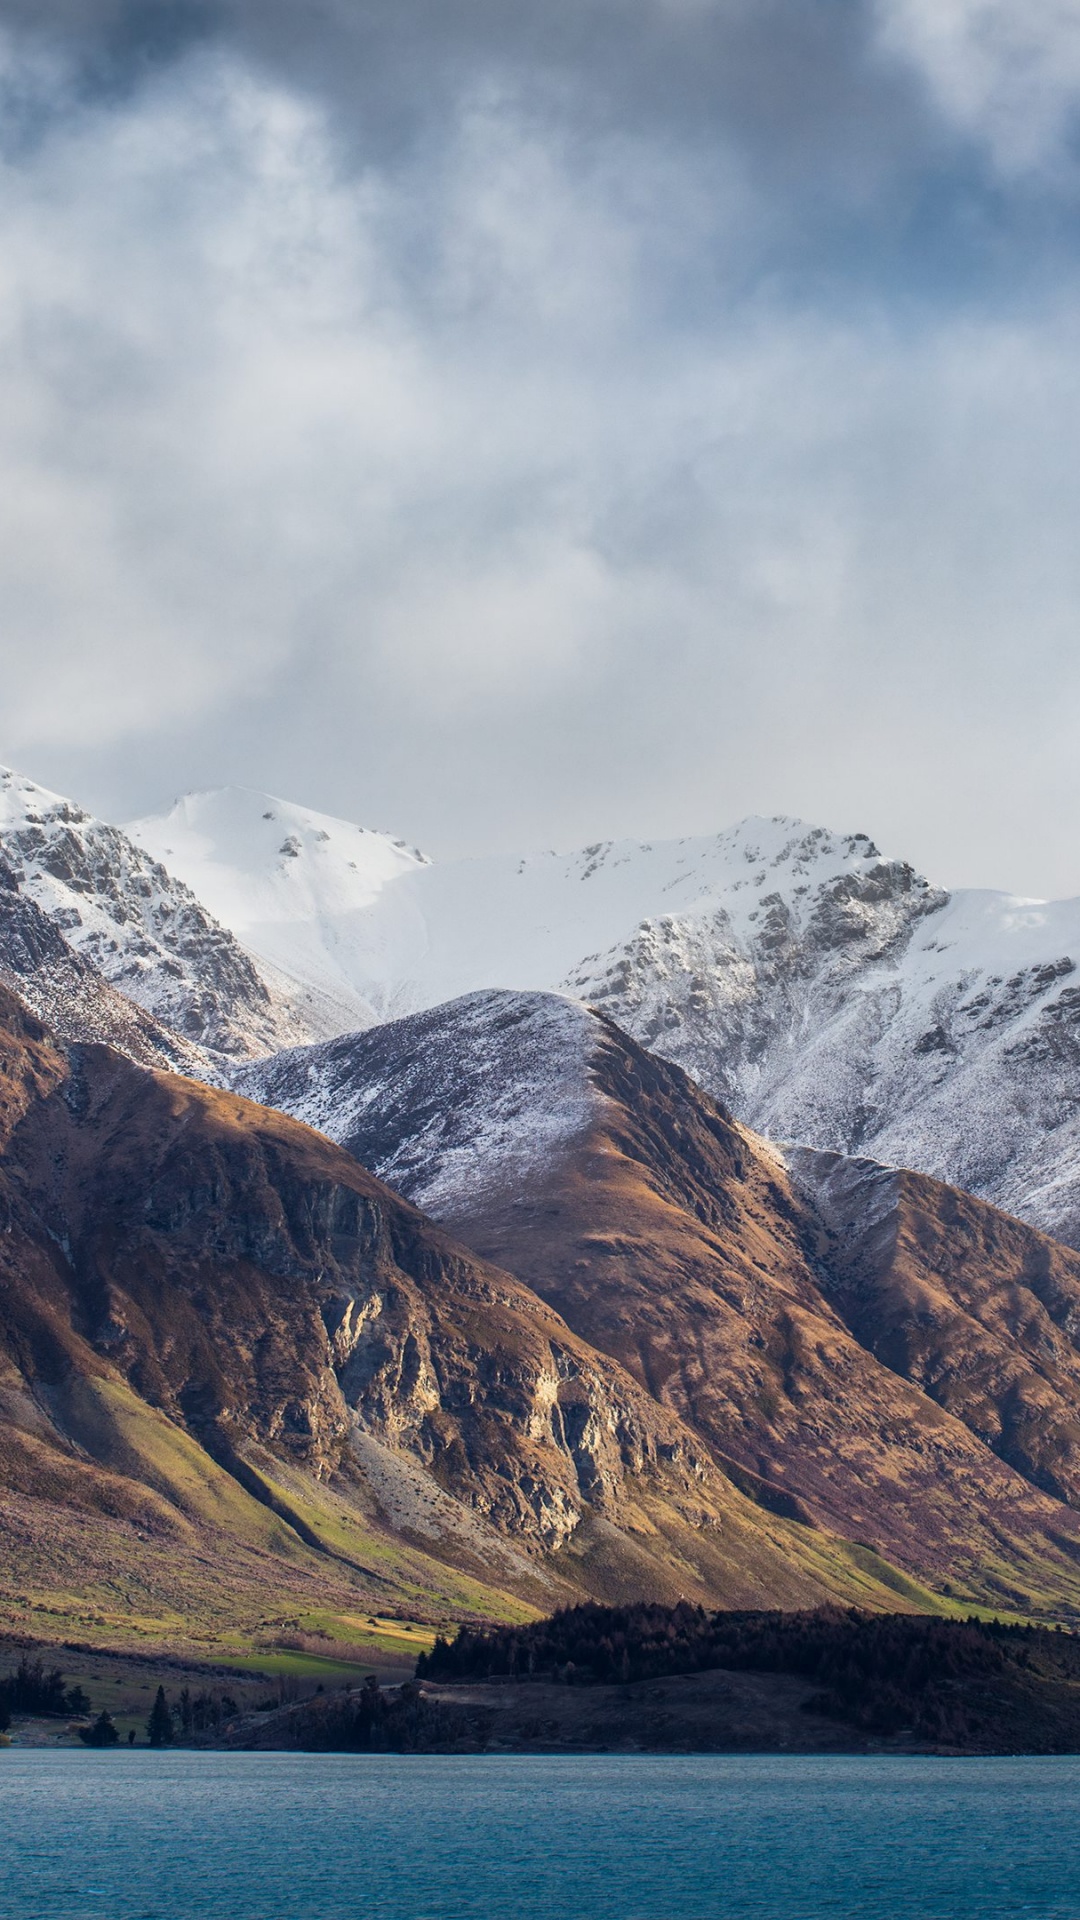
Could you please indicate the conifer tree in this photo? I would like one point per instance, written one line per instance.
(159, 1727)
(102, 1733)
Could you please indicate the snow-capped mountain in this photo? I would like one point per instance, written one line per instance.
(142, 930)
(828, 1325)
(309, 896)
(829, 995)
(383, 931)
(862, 1011)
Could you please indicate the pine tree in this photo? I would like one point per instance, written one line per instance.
(102, 1733)
(159, 1727)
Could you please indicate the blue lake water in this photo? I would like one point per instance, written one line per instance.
(181, 1836)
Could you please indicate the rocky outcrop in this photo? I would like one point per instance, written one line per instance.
(143, 932)
(252, 1287)
(70, 995)
(673, 1239)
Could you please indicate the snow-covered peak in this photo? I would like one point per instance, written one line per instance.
(619, 883)
(358, 928)
(253, 859)
(754, 857)
(295, 886)
(25, 804)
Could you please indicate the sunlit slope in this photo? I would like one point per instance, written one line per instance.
(673, 1239)
(238, 1367)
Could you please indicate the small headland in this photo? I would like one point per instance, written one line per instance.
(595, 1679)
(669, 1679)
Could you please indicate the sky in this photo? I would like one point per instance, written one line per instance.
(516, 426)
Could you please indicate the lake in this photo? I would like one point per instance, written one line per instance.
(185, 1836)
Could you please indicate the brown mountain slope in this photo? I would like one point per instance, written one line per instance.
(673, 1239)
(217, 1327)
(982, 1311)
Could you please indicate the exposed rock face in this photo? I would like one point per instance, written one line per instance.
(250, 1285)
(71, 996)
(673, 1239)
(827, 994)
(735, 993)
(143, 931)
(864, 1011)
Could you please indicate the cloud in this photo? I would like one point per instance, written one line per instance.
(1008, 74)
(503, 473)
(251, 402)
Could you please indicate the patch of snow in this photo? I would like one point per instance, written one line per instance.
(445, 1104)
(303, 892)
(142, 930)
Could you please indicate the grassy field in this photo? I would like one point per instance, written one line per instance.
(324, 1650)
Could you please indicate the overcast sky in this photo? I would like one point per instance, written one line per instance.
(516, 425)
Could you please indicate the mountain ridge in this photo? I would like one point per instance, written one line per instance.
(222, 1338)
(827, 994)
(671, 1237)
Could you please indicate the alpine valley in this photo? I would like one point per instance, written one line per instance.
(388, 1239)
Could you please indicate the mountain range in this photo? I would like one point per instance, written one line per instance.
(384, 1232)
(240, 1376)
(873, 1354)
(829, 995)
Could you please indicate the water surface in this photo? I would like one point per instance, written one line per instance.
(183, 1836)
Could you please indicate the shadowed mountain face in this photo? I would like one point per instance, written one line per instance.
(895, 1361)
(76, 1002)
(212, 1317)
(977, 1308)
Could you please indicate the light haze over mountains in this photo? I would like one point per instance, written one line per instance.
(831, 996)
(410, 1257)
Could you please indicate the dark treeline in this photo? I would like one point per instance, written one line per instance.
(880, 1672)
(187, 1716)
(203, 1712)
(368, 1720)
(33, 1688)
